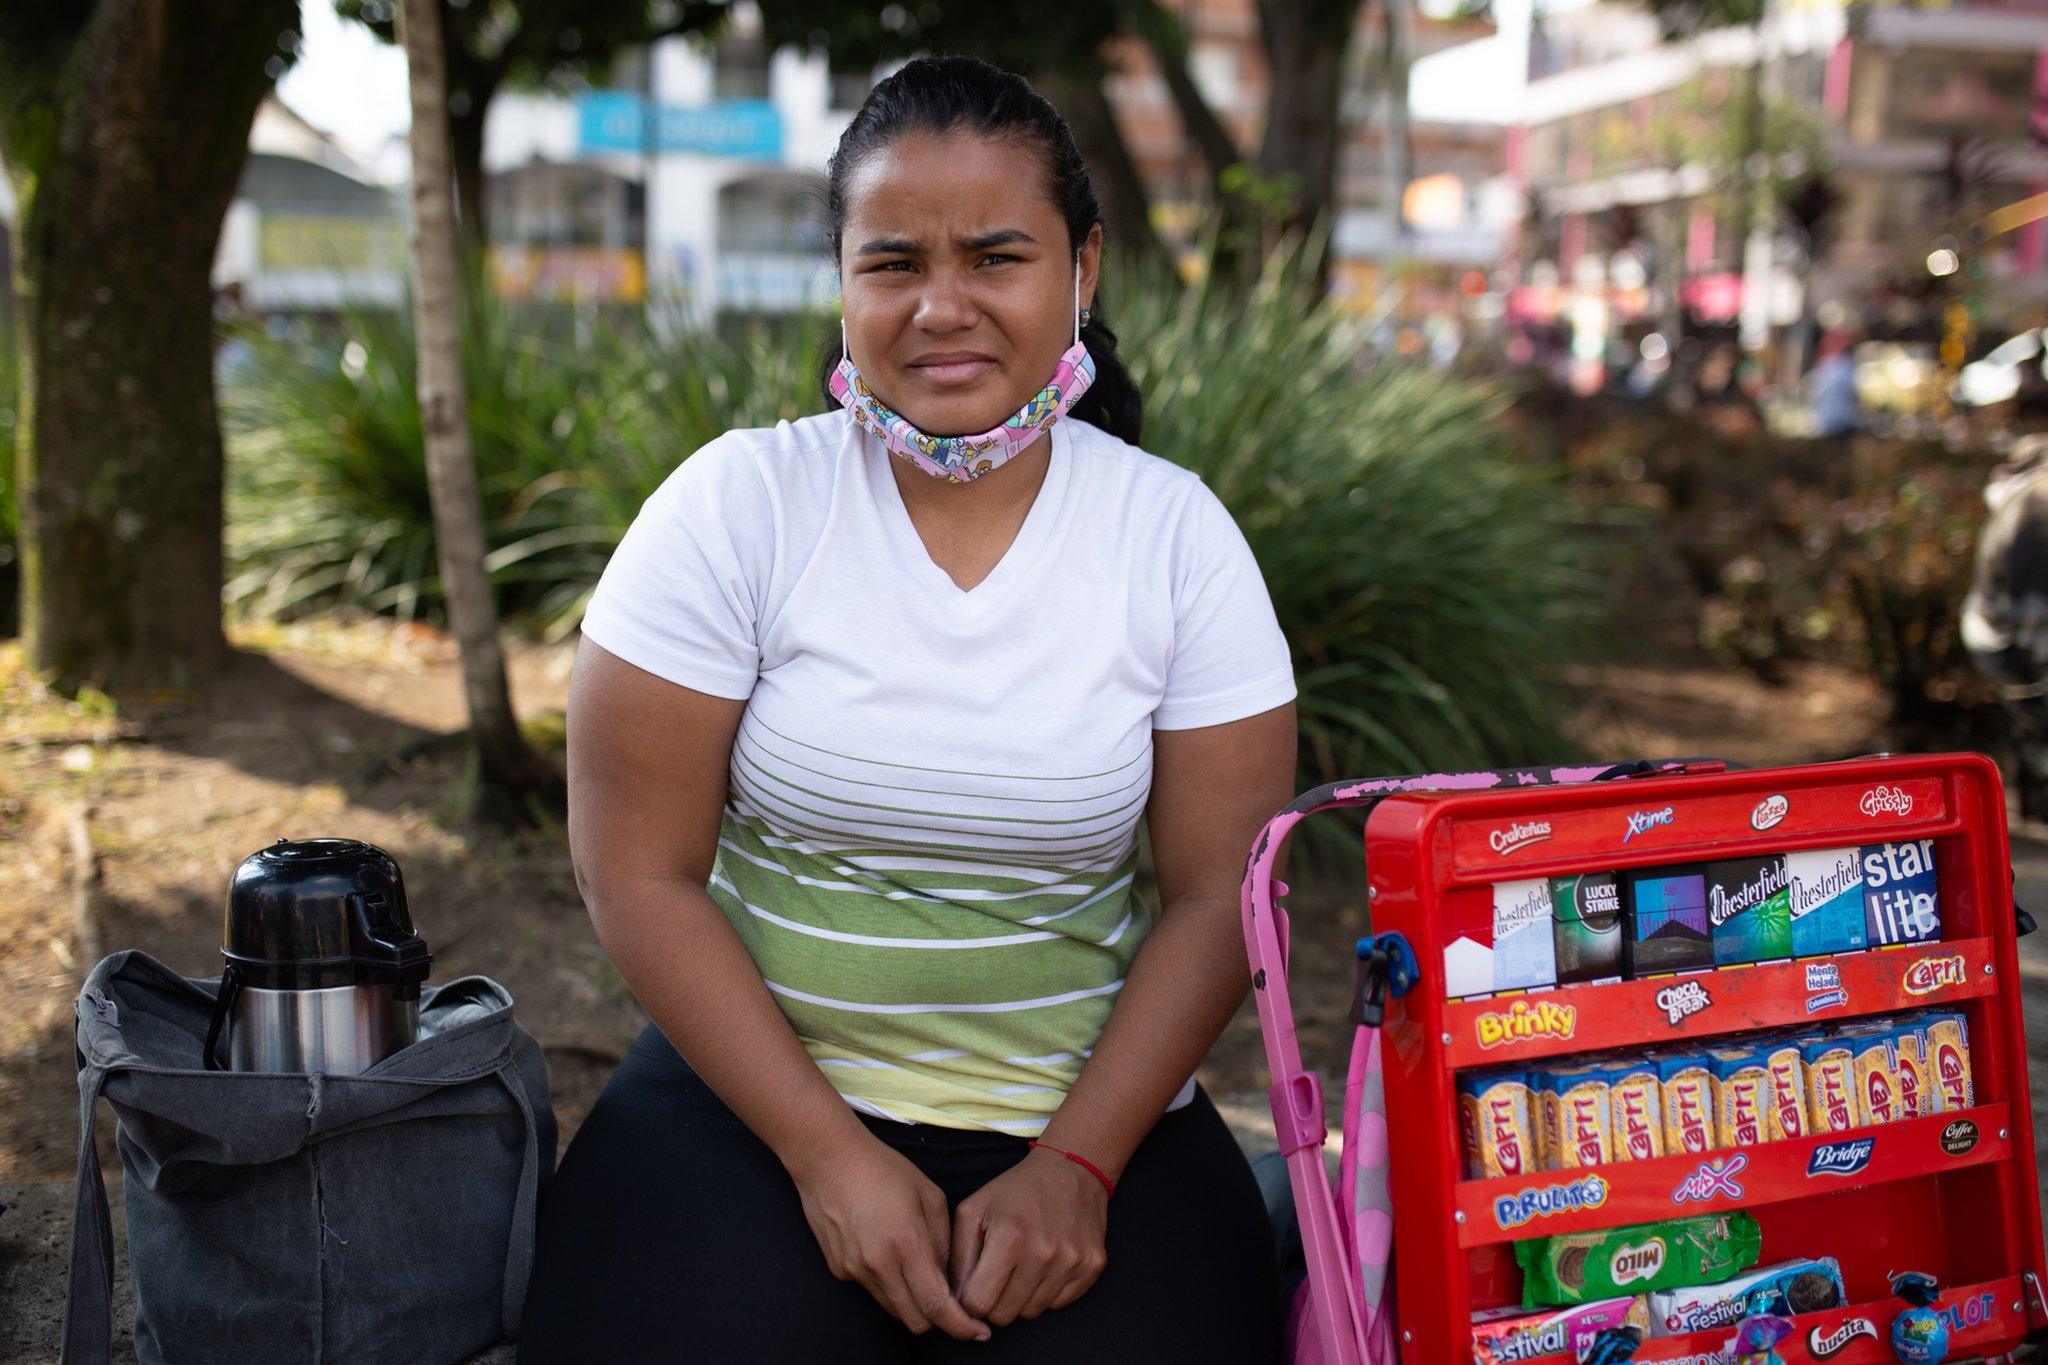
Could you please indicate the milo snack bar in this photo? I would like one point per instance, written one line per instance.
(1918, 1094)
(1788, 1288)
(1875, 1074)
(1830, 1084)
(1742, 1096)
(1636, 1105)
(1688, 1085)
(1748, 905)
(1948, 1057)
(1508, 1334)
(1786, 1118)
(1583, 1121)
(1493, 1115)
(1579, 1266)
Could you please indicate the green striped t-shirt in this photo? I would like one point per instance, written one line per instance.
(933, 802)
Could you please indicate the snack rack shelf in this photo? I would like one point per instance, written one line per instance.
(1953, 1194)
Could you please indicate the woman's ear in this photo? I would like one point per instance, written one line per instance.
(1091, 264)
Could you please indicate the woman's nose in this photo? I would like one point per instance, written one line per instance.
(944, 307)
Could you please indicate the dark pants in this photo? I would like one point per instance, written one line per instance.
(671, 1232)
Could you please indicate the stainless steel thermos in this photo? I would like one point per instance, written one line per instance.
(323, 969)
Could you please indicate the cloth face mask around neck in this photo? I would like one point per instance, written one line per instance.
(966, 458)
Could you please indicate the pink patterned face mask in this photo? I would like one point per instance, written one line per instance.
(966, 458)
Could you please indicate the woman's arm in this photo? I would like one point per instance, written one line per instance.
(1213, 789)
(648, 764)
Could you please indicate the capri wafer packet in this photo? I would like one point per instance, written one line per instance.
(1687, 1081)
(1494, 1121)
(1575, 1267)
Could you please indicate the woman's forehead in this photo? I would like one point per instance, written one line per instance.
(948, 191)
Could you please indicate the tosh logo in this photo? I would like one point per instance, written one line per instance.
(1821, 1345)
(1518, 835)
(1931, 974)
(1886, 801)
(1507, 1138)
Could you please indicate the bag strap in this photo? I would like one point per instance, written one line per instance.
(89, 1307)
(525, 1206)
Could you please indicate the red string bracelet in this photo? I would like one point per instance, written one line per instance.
(1083, 1162)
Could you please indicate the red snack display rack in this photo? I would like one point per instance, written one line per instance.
(1954, 1194)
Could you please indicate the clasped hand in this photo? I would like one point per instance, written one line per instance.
(1030, 1240)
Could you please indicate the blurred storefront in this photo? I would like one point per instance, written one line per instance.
(1881, 133)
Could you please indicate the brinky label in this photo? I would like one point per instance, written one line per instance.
(1522, 1021)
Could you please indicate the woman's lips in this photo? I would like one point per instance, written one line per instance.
(952, 372)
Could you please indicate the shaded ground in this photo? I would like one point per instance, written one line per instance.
(123, 834)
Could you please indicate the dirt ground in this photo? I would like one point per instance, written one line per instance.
(124, 832)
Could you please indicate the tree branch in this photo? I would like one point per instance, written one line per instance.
(1168, 40)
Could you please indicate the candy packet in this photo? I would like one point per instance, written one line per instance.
(1580, 1267)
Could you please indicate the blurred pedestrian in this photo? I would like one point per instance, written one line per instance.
(1837, 411)
(2005, 615)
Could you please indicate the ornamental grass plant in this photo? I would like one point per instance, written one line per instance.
(1430, 587)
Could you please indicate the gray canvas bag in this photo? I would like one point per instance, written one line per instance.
(286, 1218)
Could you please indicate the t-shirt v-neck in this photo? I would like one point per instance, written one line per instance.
(1017, 560)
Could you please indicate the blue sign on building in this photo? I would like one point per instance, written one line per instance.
(615, 121)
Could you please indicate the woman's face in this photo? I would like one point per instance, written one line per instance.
(956, 279)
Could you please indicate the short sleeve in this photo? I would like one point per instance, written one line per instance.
(680, 597)
(1229, 659)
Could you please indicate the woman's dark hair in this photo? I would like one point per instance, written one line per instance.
(939, 95)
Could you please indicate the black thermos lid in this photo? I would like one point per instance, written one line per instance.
(306, 914)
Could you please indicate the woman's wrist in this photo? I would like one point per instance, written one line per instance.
(815, 1142)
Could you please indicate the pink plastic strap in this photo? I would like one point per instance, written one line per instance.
(1298, 1119)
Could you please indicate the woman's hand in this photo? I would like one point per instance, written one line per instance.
(882, 1224)
(1029, 1240)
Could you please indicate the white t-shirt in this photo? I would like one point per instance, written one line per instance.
(931, 827)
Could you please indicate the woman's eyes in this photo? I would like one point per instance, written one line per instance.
(998, 256)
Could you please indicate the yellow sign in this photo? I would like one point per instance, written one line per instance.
(567, 274)
(306, 242)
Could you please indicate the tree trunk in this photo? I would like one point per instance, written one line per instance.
(1397, 155)
(1305, 43)
(125, 127)
(508, 772)
(1121, 190)
(467, 147)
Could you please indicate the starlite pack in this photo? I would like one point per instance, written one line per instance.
(1824, 901)
(1901, 897)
